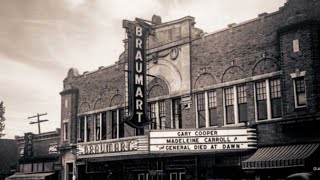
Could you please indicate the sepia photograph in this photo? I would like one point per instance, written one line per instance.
(159, 90)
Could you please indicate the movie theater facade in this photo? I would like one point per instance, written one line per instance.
(239, 103)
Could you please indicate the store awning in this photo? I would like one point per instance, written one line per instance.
(29, 176)
(280, 156)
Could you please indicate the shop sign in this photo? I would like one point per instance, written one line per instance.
(202, 140)
(53, 149)
(28, 144)
(138, 32)
(113, 147)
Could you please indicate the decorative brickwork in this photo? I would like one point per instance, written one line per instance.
(157, 87)
(203, 80)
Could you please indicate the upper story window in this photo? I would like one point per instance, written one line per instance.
(299, 88)
(300, 92)
(65, 129)
(65, 103)
(235, 101)
(295, 45)
(97, 124)
(176, 122)
(201, 110)
(162, 114)
(82, 129)
(153, 116)
(242, 103)
(229, 105)
(212, 106)
(268, 99)
(207, 109)
(117, 116)
(100, 120)
(157, 115)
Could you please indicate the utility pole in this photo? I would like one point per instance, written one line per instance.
(38, 120)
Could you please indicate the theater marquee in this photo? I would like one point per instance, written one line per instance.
(115, 147)
(200, 140)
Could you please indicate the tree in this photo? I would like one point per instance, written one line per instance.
(2, 119)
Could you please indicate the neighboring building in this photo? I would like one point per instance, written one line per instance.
(239, 103)
(8, 157)
(38, 156)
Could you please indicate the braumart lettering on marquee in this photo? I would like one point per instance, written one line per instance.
(112, 147)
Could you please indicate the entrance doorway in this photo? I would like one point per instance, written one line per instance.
(177, 175)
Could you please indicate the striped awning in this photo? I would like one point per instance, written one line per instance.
(29, 176)
(280, 156)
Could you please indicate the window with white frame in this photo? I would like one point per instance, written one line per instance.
(229, 105)
(100, 120)
(207, 109)
(82, 128)
(242, 103)
(235, 103)
(176, 122)
(201, 110)
(143, 176)
(69, 171)
(104, 126)
(177, 176)
(268, 99)
(88, 129)
(117, 121)
(157, 114)
(162, 114)
(300, 92)
(153, 116)
(295, 45)
(212, 106)
(65, 130)
(100, 126)
(97, 126)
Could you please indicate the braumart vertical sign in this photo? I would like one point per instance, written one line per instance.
(137, 32)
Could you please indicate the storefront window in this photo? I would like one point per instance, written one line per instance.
(69, 171)
(48, 166)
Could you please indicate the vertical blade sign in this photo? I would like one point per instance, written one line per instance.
(137, 96)
(28, 145)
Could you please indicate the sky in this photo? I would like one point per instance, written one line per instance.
(41, 39)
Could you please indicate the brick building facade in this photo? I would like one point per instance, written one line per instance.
(259, 77)
(38, 156)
